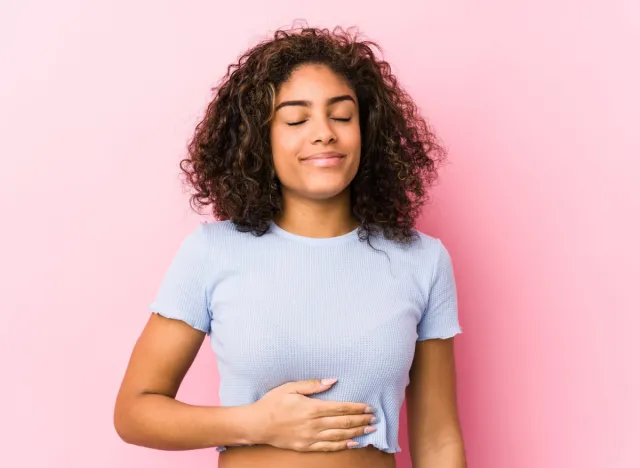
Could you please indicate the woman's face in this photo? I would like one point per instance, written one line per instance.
(315, 134)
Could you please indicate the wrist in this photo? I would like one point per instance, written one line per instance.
(250, 428)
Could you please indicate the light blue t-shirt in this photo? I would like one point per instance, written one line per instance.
(283, 307)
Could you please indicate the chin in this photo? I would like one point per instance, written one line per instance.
(324, 193)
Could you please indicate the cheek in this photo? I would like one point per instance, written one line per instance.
(285, 142)
(357, 139)
(285, 147)
(351, 137)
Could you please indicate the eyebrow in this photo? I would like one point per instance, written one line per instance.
(330, 101)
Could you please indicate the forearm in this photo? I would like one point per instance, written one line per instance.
(450, 455)
(436, 448)
(160, 422)
(434, 445)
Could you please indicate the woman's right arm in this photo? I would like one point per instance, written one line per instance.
(146, 411)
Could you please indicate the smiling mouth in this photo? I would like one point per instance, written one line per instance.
(325, 155)
(324, 159)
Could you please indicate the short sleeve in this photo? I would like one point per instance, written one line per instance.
(184, 290)
(440, 317)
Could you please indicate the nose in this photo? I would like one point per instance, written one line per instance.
(323, 132)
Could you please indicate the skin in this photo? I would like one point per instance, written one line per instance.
(315, 199)
(316, 204)
(435, 436)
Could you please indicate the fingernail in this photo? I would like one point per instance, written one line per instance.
(328, 381)
(374, 420)
(369, 409)
(369, 430)
(352, 444)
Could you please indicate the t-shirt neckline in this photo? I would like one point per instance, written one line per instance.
(313, 240)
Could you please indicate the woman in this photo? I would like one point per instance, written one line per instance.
(321, 300)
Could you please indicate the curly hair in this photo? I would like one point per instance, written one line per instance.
(230, 163)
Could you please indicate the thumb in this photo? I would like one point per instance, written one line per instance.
(308, 387)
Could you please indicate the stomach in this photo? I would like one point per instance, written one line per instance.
(266, 456)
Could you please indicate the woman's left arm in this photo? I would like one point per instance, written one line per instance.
(435, 436)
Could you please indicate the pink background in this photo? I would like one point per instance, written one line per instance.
(539, 105)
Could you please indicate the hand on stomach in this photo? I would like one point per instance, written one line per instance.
(290, 429)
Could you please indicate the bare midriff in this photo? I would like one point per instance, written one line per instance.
(266, 456)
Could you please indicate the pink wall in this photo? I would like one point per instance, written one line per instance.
(539, 103)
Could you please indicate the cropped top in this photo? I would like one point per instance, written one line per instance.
(283, 307)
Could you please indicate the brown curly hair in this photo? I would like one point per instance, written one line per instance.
(230, 163)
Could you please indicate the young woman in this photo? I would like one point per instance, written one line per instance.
(324, 305)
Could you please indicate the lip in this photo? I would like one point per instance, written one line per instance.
(324, 159)
(324, 155)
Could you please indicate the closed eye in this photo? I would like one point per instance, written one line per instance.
(291, 124)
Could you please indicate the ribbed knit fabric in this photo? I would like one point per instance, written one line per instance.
(284, 307)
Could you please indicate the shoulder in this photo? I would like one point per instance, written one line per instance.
(212, 229)
(423, 245)
(427, 242)
(436, 254)
(214, 232)
(208, 236)
(424, 257)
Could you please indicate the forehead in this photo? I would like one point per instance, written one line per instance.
(313, 81)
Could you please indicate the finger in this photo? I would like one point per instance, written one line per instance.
(332, 446)
(331, 408)
(337, 435)
(346, 422)
(309, 387)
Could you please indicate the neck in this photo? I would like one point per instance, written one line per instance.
(317, 218)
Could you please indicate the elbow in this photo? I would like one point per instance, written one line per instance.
(122, 422)
(120, 425)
